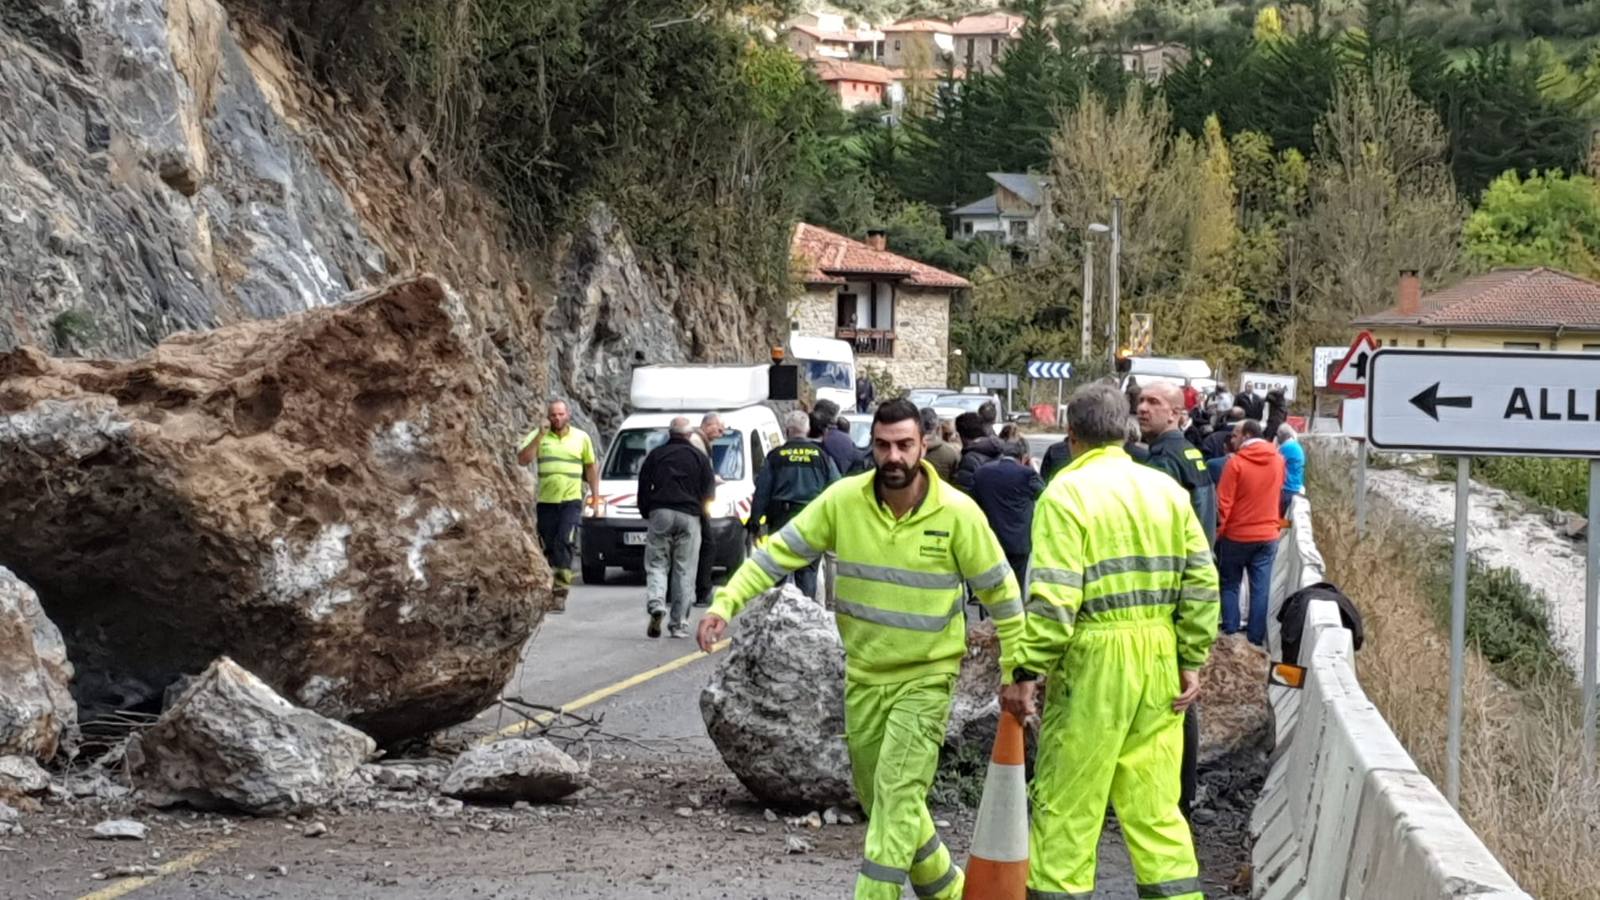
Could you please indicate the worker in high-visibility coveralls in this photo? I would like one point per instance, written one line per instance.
(906, 542)
(1122, 610)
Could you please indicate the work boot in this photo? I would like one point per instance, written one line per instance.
(559, 595)
(678, 631)
(560, 586)
(655, 625)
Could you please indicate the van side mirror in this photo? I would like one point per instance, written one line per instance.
(783, 382)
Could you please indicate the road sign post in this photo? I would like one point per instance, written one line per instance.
(1494, 403)
(1349, 377)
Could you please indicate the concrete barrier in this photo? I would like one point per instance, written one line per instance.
(1344, 813)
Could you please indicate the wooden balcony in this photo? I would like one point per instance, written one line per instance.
(868, 341)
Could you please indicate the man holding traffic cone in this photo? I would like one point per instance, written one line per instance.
(998, 868)
(1121, 613)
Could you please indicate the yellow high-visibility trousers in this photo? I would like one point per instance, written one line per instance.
(1109, 733)
(894, 732)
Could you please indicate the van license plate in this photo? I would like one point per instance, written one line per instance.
(633, 538)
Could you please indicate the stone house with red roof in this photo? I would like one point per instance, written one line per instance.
(895, 311)
(1507, 309)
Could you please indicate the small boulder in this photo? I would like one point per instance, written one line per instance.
(975, 706)
(120, 830)
(775, 704)
(20, 776)
(517, 769)
(231, 742)
(37, 713)
(1235, 714)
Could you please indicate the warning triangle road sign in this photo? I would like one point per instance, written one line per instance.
(1350, 375)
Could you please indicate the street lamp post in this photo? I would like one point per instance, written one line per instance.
(1116, 283)
(1085, 347)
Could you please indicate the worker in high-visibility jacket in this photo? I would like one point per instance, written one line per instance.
(906, 543)
(1122, 610)
(566, 459)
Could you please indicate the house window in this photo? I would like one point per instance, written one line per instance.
(994, 47)
(1019, 230)
(897, 46)
(1520, 345)
(846, 311)
(1591, 348)
(970, 44)
(1422, 343)
(966, 229)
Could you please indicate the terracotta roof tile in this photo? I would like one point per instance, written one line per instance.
(828, 257)
(998, 23)
(1505, 298)
(933, 25)
(845, 70)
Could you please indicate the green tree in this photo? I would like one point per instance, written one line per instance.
(1547, 219)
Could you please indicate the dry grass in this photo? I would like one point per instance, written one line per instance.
(1523, 785)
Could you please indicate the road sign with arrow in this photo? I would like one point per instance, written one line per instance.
(1484, 402)
(1350, 375)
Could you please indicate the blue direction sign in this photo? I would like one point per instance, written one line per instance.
(1044, 369)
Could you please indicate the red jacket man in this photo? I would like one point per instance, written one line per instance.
(1247, 526)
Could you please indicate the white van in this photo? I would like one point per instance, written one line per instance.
(828, 365)
(660, 394)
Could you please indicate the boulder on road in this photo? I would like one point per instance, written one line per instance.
(1235, 713)
(328, 497)
(20, 776)
(975, 707)
(230, 742)
(510, 770)
(37, 712)
(775, 704)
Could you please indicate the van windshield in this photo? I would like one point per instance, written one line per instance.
(822, 374)
(632, 445)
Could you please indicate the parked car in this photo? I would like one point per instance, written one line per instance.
(925, 396)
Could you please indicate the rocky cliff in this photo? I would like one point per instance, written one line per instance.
(166, 166)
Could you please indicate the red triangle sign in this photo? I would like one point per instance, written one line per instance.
(1350, 375)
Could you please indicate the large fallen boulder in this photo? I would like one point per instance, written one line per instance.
(318, 496)
(975, 707)
(37, 713)
(510, 770)
(1235, 713)
(775, 704)
(230, 742)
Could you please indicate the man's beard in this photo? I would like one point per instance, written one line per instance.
(897, 475)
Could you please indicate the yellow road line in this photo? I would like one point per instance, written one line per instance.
(594, 697)
(181, 864)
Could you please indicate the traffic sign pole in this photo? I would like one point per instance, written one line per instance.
(1591, 614)
(1361, 489)
(1458, 632)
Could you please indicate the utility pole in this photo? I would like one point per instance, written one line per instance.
(1116, 286)
(1088, 295)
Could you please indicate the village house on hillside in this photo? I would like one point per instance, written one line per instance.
(1153, 62)
(856, 84)
(982, 41)
(830, 37)
(1018, 212)
(895, 311)
(1507, 309)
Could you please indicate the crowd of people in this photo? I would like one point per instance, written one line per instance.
(1107, 572)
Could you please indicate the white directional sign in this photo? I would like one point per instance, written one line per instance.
(1044, 369)
(1484, 402)
(1350, 376)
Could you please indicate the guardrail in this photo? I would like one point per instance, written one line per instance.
(1344, 813)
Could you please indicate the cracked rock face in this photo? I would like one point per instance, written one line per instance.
(775, 705)
(230, 742)
(37, 713)
(314, 496)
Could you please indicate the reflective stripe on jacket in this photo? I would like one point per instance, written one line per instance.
(899, 593)
(1117, 542)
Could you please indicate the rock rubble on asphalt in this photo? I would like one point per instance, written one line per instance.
(120, 830)
(1235, 713)
(516, 769)
(20, 776)
(231, 742)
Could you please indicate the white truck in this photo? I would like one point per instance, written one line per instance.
(659, 394)
(828, 365)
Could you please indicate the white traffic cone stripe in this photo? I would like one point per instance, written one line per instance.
(1001, 832)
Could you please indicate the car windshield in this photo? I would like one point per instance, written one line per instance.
(925, 397)
(821, 374)
(632, 445)
(965, 402)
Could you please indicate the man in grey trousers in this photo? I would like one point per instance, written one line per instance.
(674, 484)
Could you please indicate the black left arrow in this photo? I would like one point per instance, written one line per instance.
(1429, 401)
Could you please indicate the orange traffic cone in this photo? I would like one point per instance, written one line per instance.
(998, 867)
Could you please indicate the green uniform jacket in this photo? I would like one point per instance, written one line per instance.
(1115, 541)
(899, 591)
